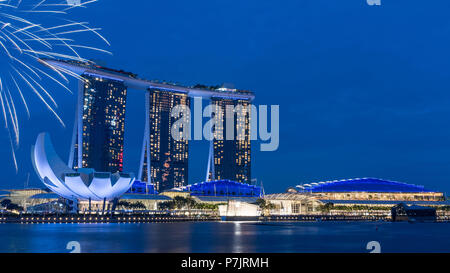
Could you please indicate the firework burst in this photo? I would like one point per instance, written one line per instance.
(24, 40)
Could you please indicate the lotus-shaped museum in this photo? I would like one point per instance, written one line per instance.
(84, 184)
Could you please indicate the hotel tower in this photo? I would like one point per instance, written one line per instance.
(100, 125)
(230, 152)
(168, 157)
(98, 136)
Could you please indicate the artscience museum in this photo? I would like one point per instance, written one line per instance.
(80, 185)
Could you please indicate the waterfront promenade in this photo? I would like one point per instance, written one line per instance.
(110, 217)
(181, 217)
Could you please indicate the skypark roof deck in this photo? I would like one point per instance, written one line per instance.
(132, 81)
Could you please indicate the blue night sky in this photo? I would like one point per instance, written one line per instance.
(363, 90)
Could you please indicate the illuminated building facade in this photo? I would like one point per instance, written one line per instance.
(100, 121)
(223, 188)
(372, 189)
(81, 184)
(168, 157)
(100, 125)
(232, 150)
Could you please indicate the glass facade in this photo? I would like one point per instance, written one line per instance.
(232, 157)
(168, 157)
(103, 124)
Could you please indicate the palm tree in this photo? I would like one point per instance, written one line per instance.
(265, 206)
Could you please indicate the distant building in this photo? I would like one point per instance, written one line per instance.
(368, 189)
(361, 196)
(239, 211)
(168, 157)
(100, 125)
(20, 197)
(232, 157)
(142, 188)
(403, 212)
(44, 202)
(293, 204)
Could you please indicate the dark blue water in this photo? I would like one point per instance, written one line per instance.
(225, 237)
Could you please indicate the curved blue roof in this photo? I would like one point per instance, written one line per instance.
(139, 187)
(362, 185)
(223, 188)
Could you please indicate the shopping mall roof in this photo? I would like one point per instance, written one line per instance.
(226, 199)
(361, 185)
(222, 188)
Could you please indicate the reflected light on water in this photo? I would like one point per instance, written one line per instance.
(237, 239)
(225, 237)
(237, 228)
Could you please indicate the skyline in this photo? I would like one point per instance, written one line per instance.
(402, 138)
(100, 126)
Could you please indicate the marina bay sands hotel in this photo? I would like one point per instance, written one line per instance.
(98, 134)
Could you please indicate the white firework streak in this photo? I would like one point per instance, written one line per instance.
(23, 42)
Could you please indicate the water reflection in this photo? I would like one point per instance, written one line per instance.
(237, 240)
(238, 237)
